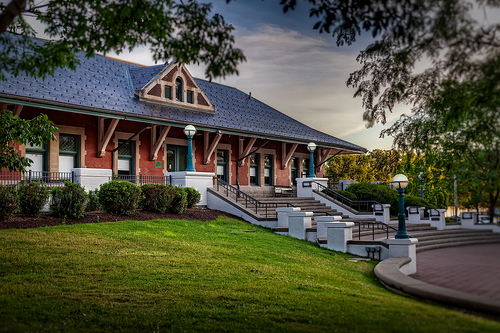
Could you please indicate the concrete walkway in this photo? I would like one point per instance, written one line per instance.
(473, 269)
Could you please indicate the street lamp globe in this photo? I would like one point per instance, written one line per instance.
(311, 146)
(400, 181)
(190, 131)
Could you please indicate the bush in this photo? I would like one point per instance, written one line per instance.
(32, 198)
(119, 197)
(68, 201)
(348, 195)
(378, 192)
(157, 197)
(8, 202)
(412, 200)
(179, 201)
(93, 201)
(193, 196)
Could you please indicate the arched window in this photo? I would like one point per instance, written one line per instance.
(178, 89)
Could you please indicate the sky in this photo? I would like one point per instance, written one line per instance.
(294, 69)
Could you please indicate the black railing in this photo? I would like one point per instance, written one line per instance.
(51, 179)
(145, 179)
(358, 205)
(266, 209)
(373, 225)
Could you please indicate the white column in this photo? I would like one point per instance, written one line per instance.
(337, 234)
(198, 180)
(322, 222)
(414, 214)
(298, 222)
(438, 221)
(404, 248)
(92, 179)
(283, 215)
(305, 186)
(386, 214)
(468, 219)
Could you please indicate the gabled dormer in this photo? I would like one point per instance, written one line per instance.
(173, 86)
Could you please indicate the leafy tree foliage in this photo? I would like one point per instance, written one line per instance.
(14, 130)
(174, 30)
(460, 127)
(418, 45)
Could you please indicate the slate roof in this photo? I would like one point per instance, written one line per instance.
(107, 85)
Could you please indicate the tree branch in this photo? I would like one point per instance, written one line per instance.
(11, 11)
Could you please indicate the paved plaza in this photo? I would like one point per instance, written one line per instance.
(472, 269)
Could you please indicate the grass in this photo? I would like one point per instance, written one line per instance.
(224, 275)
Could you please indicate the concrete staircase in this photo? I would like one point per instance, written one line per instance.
(429, 238)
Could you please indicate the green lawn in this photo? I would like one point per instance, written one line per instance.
(169, 275)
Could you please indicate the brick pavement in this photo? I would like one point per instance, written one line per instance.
(473, 269)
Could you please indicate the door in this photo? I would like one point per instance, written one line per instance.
(176, 158)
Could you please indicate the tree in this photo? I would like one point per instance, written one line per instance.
(173, 30)
(460, 126)
(14, 130)
(418, 45)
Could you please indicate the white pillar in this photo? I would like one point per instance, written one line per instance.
(298, 222)
(468, 219)
(414, 214)
(383, 216)
(92, 179)
(439, 220)
(322, 222)
(283, 215)
(337, 234)
(306, 185)
(200, 181)
(404, 248)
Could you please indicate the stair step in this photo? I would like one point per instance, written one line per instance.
(462, 243)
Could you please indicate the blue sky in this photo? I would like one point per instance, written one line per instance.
(294, 69)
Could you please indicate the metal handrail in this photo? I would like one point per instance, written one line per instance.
(145, 179)
(374, 225)
(358, 205)
(250, 202)
(48, 178)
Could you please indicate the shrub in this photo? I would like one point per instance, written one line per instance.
(412, 200)
(68, 201)
(348, 195)
(8, 202)
(378, 192)
(157, 197)
(119, 197)
(193, 196)
(179, 200)
(32, 198)
(93, 201)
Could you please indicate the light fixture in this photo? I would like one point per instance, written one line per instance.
(190, 131)
(400, 182)
(311, 147)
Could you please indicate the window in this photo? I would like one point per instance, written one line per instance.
(178, 89)
(305, 167)
(68, 152)
(38, 154)
(268, 170)
(189, 97)
(294, 172)
(222, 165)
(168, 92)
(126, 158)
(254, 169)
(176, 158)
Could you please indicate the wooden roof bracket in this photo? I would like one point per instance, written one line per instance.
(104, 136)
(209, 148)
(244, 151)
(287, 156)
(156, 144)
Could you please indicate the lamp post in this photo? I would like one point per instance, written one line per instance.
(421, 177)
(190, 131)
(311, 147)
(400, 182)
